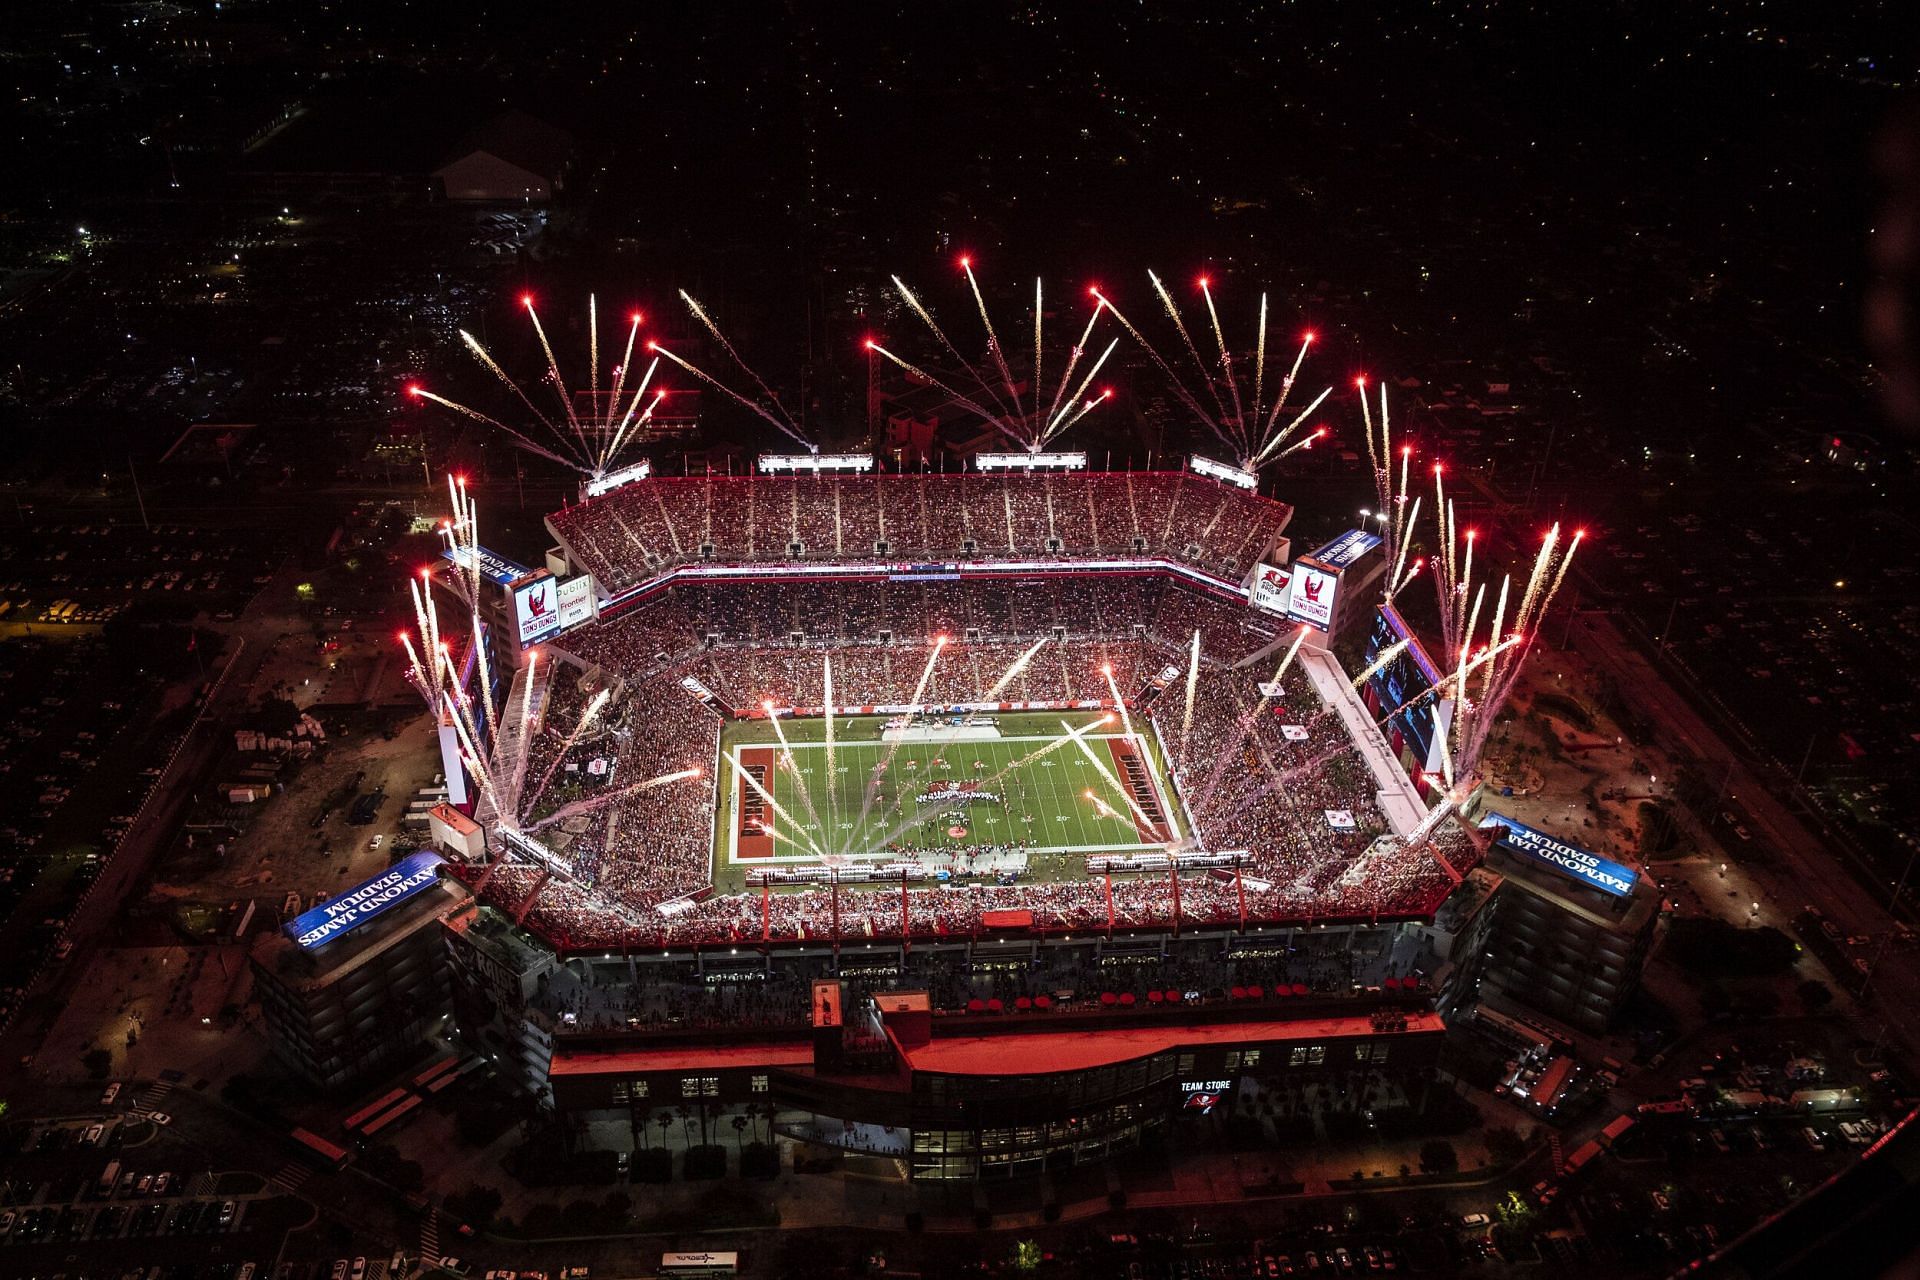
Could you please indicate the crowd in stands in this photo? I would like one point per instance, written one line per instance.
(643, 529)
(1256, 773)
(675, 626)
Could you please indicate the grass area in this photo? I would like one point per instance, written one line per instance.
(877, 794)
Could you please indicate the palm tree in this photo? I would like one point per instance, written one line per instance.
(665, 1121)
(739, 1132)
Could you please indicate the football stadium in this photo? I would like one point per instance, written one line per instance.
(802, 709)
(983, 822)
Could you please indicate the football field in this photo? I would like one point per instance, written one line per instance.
(875, 799)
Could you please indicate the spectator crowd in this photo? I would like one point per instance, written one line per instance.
(1259, 772)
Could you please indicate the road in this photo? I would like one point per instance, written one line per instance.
(249, 643)
(1804, 870)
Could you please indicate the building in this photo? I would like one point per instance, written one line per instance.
(356, 985)
(498, 970)
(1549, 925)
(511, 158)
(962, 1097)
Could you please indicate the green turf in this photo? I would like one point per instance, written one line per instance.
(1042, 801)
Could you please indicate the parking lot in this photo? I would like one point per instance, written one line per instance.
(101, 1195)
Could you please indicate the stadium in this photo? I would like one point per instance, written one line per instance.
(806, 709)
(987, 821)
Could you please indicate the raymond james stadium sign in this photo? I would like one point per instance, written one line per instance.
(1568, 860)
(364, 901)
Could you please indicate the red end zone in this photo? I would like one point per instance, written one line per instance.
(749, 809)
(1130, 765)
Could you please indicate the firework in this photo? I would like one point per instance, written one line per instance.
(1486, 669)
(1398, 519)
(1249, 428)
(591, 438)
(1031, 420)
(766, 406)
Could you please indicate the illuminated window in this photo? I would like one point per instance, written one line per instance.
(1250, 1059)
(758, 1084)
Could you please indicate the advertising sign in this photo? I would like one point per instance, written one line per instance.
(1403, 687)
(332, 919)
(1271, 589)
(492, 564)
(1064, 461)
(925, 573)
(773, 463)
(536, 608)
(576, 600)
(1569, 860)
(1204, 1095)
(1344, 550)
(1224, 473)
(612, 480)
(1311, 600)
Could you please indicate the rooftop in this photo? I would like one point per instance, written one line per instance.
(1046, 1052)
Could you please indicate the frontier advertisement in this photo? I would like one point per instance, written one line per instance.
(576, 600)
(1569, 860)
(1312, 599)
(339, 916)
(536, 607)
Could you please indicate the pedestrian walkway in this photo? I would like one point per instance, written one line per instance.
(430, 1238)
(153, 1095)
(1559, 1160)
(291, 1178)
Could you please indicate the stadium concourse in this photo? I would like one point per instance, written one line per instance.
(1280, 777)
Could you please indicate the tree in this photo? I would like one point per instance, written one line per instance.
(1026, 1256)
(1504, 1144)
(739, 1133)
(1815, 995)
(580, 1217)
(477, 1204)
(277, 717)
(97, 1062)
(1438, 1156)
